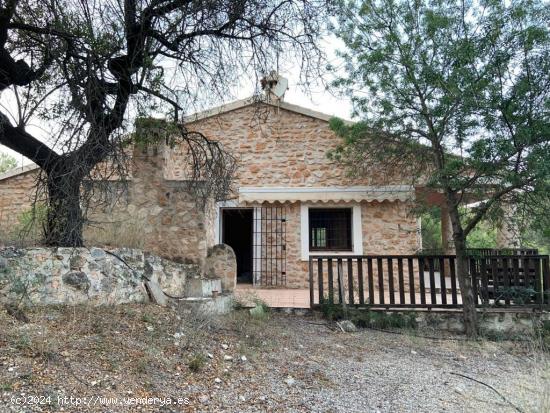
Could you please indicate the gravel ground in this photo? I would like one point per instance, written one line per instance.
(240, 364)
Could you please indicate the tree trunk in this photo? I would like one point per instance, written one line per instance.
(64, 219)
(464, 276)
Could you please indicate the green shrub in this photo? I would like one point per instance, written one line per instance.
(369, 319)
(361, 319)
(260, 311)
(32, 222)
(197, 362)
(519, 295)
(331, 311)
(263, 304)
(147, 318)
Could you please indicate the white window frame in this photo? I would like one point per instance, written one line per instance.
(356, 229)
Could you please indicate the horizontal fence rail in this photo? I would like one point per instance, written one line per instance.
(484, 252)
(424, 281)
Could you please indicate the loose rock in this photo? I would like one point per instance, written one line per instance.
(290, 381)
(347, 326)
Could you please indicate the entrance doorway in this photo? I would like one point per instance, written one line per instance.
(237, 233)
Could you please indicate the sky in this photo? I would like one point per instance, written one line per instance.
(316, 98)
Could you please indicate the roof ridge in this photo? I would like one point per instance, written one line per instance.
(19, 170)
(241, 103)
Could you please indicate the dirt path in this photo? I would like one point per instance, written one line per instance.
(108, 358)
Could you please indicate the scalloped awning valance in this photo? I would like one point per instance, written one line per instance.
(326, 194)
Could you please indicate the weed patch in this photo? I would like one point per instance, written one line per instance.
(197, 362)
(369, 319)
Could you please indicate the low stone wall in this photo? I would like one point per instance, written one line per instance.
(501, 322)
(44, 276)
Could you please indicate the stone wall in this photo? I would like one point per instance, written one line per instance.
(275, 147)
(16, 196)
(148, 212)
(157, 215)
(507, 323)
(221, 263)
(44, 276)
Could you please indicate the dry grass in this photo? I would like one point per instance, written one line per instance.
(145, 350)
(129, 233)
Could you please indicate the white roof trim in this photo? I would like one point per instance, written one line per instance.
(238, 104)
(18, 171)
(327, 194)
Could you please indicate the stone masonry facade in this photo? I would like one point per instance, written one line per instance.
(16, 197)
(275, 147)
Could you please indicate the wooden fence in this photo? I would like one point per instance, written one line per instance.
(485, 252)
(422, 281)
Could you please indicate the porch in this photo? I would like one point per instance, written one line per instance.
(286, 297)
(247, 295)
(518, 280)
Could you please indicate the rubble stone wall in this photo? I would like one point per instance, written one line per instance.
(45, 276)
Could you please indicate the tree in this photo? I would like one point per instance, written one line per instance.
(456, 96)
(7, 162)
(87, 69)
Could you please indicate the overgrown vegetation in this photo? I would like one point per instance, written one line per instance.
(260, 311)
(109, 349)
(366, 318)
(86, 70)
(484, 235)
(518, 295)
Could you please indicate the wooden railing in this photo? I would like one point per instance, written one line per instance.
(518, 280)
(480, 252)
(485, 252)
(423, 281)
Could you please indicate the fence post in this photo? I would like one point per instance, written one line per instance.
(473, 275)
(341, 287)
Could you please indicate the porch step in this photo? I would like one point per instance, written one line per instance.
(222, 304)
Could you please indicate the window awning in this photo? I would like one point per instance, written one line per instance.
(326, 194)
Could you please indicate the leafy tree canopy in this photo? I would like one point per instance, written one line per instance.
(454, 95)
(461, 86)
(7, 162)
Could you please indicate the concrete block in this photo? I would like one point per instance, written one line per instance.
(202, 287)
(222, 304)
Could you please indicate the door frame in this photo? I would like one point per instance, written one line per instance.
(233, 205)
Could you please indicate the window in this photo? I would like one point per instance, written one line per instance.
(330, 229)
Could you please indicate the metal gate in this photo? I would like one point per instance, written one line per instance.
(269, 246)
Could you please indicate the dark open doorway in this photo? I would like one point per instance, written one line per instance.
(237, 233)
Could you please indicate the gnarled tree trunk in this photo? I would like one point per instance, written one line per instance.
(64, 217)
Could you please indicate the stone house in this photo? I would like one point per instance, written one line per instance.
(289, 199)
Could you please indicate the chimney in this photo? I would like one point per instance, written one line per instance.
(274, 86)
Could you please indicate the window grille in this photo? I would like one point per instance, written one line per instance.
(330, 229)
